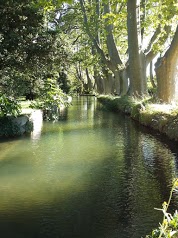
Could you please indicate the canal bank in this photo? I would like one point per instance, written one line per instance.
(159, 117)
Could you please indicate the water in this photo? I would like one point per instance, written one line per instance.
(93, 174)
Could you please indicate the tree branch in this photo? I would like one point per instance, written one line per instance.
(153, 39)
(95, 43)
(158, 40)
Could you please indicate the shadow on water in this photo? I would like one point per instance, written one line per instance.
(103, 207)
(92, 174)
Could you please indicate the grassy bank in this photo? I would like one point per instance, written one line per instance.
(161, 117)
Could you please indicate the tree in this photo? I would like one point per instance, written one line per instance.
(136, 75)
(20, 26)
(30, 47)
(147, 30)
(43, 38)
(78, 60)
(144, 19)
(167, 72)
(110, 61)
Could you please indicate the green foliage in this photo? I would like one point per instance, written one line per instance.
(76, 87)
(50, 5)
(9, 106)
(10, 109)
(20, 22)
(169, 226)
(51, 99)
(63, 82)
(30, 47)
(39, 37)
(119, 104)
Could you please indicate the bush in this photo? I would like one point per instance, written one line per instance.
(9, 106)
(51, 99)
(10, 121)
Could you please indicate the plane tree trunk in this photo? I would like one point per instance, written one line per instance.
(167, 72)
(115, 60)
(137, 65)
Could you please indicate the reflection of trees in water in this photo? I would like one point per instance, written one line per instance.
(149, 171)
(126, 186)
(109, 196)
(37, 119)
(63, 114)
(148, 168)
(86, 107)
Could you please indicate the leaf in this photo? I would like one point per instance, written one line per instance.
(173, 233)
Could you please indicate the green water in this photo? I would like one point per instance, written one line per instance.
(92, 174)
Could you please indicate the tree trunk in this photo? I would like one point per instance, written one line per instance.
(99, 83)
(89, 82)
(167, 72)
(113, 54)
(137, 62)
(115, 60)
(151, 75)
(125, 81)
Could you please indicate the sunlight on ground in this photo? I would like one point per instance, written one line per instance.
(25, 104)
(27, 111)
(165, 108)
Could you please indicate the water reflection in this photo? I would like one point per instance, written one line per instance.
(92, 174)
(37, 119)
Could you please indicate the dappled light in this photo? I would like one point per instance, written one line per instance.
(88, 117)
(165, 108)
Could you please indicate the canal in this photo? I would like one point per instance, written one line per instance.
(92, 174)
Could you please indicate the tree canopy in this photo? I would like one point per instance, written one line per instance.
(96, 46)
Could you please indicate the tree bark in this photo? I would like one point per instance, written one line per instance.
(136, 57)
(167, 72)
(99, 82)
(151, 75)
(115, 60)
(89, 82)
(125, 81)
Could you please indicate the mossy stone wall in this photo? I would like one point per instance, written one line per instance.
(15, 126)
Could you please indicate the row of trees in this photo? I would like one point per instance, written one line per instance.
(127, 36)
(102, 46)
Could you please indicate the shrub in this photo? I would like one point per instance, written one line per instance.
(9, 106)
(51, 99)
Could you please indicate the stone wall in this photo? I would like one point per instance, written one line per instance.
(15, 126)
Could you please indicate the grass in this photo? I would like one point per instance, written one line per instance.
(146, 104)
(25, 104)
(161, 117)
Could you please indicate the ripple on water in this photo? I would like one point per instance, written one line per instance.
(93, 174)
